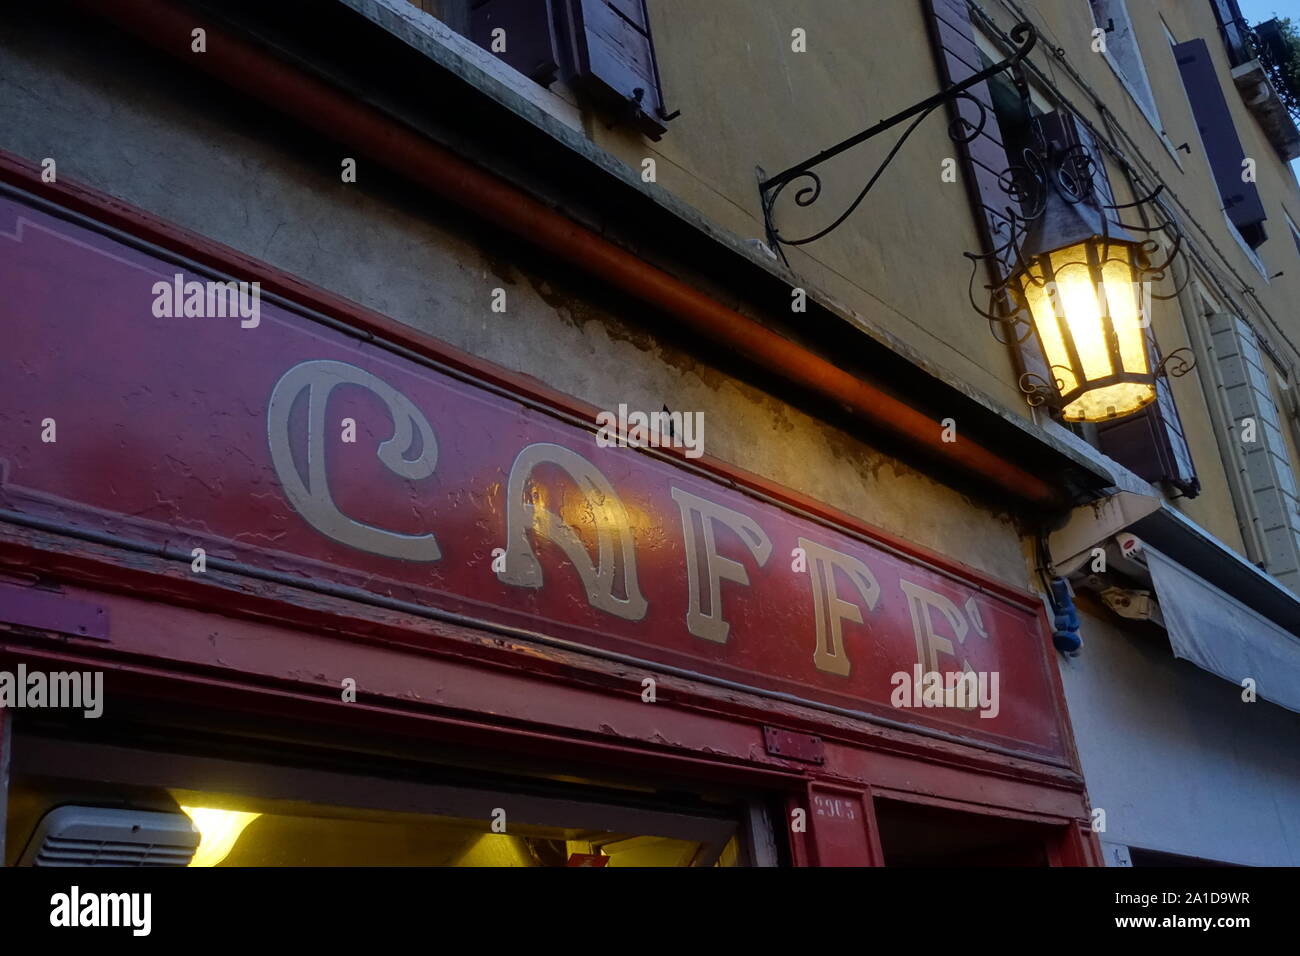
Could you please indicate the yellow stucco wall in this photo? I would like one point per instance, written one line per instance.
(747, 99)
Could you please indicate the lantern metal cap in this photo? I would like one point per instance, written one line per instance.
(1065, 223)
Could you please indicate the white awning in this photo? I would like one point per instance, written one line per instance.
(1217, 632)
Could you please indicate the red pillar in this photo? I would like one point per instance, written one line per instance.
(841, 828)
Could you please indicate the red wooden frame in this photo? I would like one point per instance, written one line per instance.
(491, 692)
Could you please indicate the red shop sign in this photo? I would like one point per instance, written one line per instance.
(229, 434)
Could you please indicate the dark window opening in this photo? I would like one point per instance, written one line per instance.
(1233, 28)
(601, 49)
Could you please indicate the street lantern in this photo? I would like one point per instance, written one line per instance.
(1081, 283)
(1066, 270)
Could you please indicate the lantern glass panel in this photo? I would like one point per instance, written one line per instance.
(1048, 325)
(1123, 297)
(1076, 297)
(1110, 401)
(1069, 308)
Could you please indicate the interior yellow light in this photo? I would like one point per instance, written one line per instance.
(1086, 309)
(218, 832)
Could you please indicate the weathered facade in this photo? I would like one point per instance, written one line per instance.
(501, 245)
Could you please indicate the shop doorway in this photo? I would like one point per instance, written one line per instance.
(921, 835)
(182, 800)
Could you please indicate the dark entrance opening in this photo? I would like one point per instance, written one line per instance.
(922, 836)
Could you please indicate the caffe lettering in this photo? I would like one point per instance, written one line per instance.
(610, 581)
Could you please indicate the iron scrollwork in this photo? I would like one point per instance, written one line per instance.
(1176, 364)
(1037, 389)
(960, 130)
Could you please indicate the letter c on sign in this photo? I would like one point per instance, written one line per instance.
(311, 498)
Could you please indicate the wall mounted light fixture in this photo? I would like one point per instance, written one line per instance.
(1081, 281)
(1069, 272)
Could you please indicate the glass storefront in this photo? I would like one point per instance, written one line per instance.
(112, 800)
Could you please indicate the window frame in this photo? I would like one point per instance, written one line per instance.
(1150, 110)
(1295, 230)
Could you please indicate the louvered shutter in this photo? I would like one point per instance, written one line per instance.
(983, 159)
(1181, 470)
(1222, 145)
(1152, 443)
(613, 59)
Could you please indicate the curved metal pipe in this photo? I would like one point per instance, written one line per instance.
(342, 117)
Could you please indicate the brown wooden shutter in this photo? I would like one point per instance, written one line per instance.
(1222, 144)
(532, 42)
(1181, 470)
(613, 59)
(984, 159)
(1151, 443)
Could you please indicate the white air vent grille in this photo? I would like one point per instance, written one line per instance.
(96, 836)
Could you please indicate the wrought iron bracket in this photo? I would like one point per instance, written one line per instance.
(1176, 364)
(960, 130)
(1037, 390)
